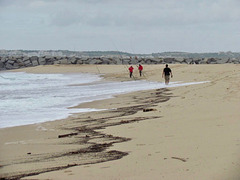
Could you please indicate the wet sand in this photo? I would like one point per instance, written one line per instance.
(189, 132)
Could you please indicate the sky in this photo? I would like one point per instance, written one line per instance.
(134, 26)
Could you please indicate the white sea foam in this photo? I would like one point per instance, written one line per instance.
(34, 98)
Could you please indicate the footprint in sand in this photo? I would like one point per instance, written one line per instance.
(67, 171)
(105, 167)
(141, 144)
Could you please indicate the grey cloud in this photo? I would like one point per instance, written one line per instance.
(155, 13)
(162, 23)
(65, 18)
(6, 2)
(14, 3)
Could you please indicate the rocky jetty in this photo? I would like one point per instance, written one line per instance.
(15, 62)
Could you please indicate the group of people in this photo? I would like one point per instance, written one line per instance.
(166, 74)
(140, 68)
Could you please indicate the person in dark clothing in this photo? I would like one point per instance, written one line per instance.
(167, 72)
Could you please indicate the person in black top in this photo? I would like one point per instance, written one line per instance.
(167, 72)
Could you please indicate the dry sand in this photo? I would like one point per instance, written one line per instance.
(192, 132)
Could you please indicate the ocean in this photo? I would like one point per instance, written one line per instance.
(34, 98)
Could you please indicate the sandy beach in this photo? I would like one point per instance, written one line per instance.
(188, 132)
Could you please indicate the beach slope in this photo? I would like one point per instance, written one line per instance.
(188, 132)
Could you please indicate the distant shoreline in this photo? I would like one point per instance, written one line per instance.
(69, 53)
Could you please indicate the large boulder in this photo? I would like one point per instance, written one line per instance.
(41, 61)
(117, 60)
(186, 61)
(2, 66)
(222, 61)
(169, 60)
(85, 60)
(73, 60)
(63, 61)
(236, 61)
(20, 62)
(25, 58)
(34, 58)
(133, 61)
(4, 59)
(11, 62)
(212, 61)
(95, 61)
(106, 60)
(151, 61)
(8, 66)
(79, 61)
(35, 63)
(28, 63)
(57, 62)
(15, 66)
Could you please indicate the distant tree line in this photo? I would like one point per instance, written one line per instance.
(198, 55)
(116, 54)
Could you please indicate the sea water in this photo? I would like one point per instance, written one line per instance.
(34, 98)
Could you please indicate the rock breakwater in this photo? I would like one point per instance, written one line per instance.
(16, 62)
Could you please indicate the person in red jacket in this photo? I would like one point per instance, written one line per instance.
(140, 68)
(130, 71)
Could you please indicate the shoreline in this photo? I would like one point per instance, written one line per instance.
(92, 145)
(35, 70)
(154, 134)
(83, 106)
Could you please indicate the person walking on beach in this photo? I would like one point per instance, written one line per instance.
(167, 72)
(130, 71)
(140, 68)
